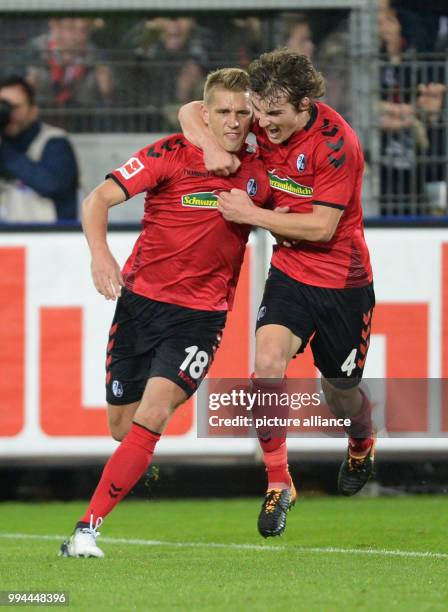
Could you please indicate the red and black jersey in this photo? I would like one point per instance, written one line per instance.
(322, 165)
(187, 254)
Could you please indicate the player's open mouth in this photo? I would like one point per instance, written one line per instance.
(232, 135)
(273, 132)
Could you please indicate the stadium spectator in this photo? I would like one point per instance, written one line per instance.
(419, 28)
(442, 35)
(15, 32)
(299, 37)
(403, 135)
(321, 288)
(168, 67)
(177, 285)
(332, 58)
(38, 168)
(408, 113)
(237, 40)
(431, 105)
(66, 68)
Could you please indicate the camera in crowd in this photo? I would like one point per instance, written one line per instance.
(5, 114)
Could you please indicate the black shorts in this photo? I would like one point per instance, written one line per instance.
(149, 338)
(340, 320)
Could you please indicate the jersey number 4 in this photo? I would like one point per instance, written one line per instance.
(350, 363)
(196, 361)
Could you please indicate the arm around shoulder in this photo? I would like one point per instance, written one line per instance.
(216, 159)
(192, 124)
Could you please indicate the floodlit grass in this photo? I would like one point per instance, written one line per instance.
(182, 571)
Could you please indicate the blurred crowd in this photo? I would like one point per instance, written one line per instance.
(413, 117)
(145, 67)
(127, 73)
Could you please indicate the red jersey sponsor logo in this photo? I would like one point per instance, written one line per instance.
(289, 185)
(204, 199)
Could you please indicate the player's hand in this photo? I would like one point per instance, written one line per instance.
(106, 274)
(236, 206)
(282, 240)
(220, 162)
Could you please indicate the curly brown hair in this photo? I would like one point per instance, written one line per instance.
(285, 73)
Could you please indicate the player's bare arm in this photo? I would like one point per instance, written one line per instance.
(106, 273)
(216, 158)
(283, 240)
(317, 226)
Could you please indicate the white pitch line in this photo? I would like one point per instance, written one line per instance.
(297, 549)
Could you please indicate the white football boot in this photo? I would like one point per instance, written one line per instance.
(82, 543)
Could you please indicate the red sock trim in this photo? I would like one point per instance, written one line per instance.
(270, 445)
(276, 462)
(124, 468)
(360, 445)
(154, 433)
(142, 437)
(265, 383)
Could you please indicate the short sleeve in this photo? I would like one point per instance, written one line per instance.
(338, 161)
(148, 167)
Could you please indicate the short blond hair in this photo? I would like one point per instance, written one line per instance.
(231, 79)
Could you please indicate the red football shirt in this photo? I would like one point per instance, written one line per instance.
(187, 254)
(322, 164)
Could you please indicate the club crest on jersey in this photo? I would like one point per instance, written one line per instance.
(117, 388)
(251, 187)
(132, 167)
(288, 185)
(203, 199)
(301, 162)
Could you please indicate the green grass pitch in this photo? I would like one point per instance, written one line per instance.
(180, 555)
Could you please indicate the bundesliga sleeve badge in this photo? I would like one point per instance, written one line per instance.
(130, 168)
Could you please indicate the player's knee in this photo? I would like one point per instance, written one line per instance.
(119, 427)
(270, 364)
(117, 433)
(155, 416)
